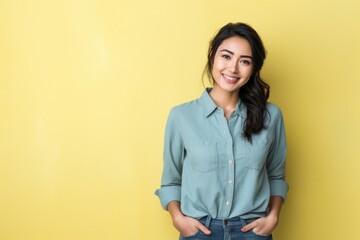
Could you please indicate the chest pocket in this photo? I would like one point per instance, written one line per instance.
(257, 153)
(204, 157)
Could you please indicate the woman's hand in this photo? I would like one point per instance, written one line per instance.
(263, 226)
(188, 226)
(266, 225)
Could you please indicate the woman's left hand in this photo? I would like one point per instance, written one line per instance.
(263, 226)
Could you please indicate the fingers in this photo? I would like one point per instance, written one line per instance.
(248, 227)
(251, 225)
(261, 226)
(203, 229)
(188, 226)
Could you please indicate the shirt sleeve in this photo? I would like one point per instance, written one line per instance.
(173, 159)
(276, 160)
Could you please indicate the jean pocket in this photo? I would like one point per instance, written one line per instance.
(191, 236)
(268, 237)
(254, 235)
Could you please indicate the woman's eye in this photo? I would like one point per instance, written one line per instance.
(246, 62)
(227, 57)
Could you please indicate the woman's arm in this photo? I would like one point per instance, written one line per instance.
(275, 205)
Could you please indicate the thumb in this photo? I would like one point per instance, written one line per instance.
(204, 229)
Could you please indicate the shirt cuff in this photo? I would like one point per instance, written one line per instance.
(279, 188)
(168, 194)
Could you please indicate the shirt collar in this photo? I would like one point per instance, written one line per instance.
(210, 106)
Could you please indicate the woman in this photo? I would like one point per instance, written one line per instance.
(224, 153)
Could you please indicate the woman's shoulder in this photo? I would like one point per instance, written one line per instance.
(274, 111)
(273, 108)
(186, 107)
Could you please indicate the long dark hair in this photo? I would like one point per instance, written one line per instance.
(255, 93)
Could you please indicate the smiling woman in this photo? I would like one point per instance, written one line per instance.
(232, 67)
(224, 153)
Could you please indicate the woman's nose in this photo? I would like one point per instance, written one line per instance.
(233, 67)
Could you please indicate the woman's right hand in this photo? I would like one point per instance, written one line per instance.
(188, 226)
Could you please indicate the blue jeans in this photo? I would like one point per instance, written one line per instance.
(226, 230)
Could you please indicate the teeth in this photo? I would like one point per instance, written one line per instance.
(230, 78)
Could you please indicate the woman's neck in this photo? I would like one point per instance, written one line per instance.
(225, 100)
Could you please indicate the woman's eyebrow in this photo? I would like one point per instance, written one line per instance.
(243, 56)
(246, 56)
(225, 50)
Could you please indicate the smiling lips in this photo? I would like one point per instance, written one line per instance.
(230, 79)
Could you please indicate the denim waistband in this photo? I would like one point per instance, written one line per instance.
(235, 220)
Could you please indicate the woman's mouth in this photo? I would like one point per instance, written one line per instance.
(230, 79)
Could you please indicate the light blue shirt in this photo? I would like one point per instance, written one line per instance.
(213, 170)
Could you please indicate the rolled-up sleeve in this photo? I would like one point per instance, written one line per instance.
(277, 159)
(173, 154)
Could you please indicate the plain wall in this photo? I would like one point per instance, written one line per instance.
(86, 86)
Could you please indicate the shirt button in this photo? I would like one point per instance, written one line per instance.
(230, 181)
(228, 203)
(230, 162)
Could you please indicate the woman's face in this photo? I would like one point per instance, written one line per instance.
(233, 64)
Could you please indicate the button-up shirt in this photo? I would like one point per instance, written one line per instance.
(212, 169)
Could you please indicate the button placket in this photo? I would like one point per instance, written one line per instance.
(225, 129)
(230, 171)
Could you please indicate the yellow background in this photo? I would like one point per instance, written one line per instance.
(86, 86)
